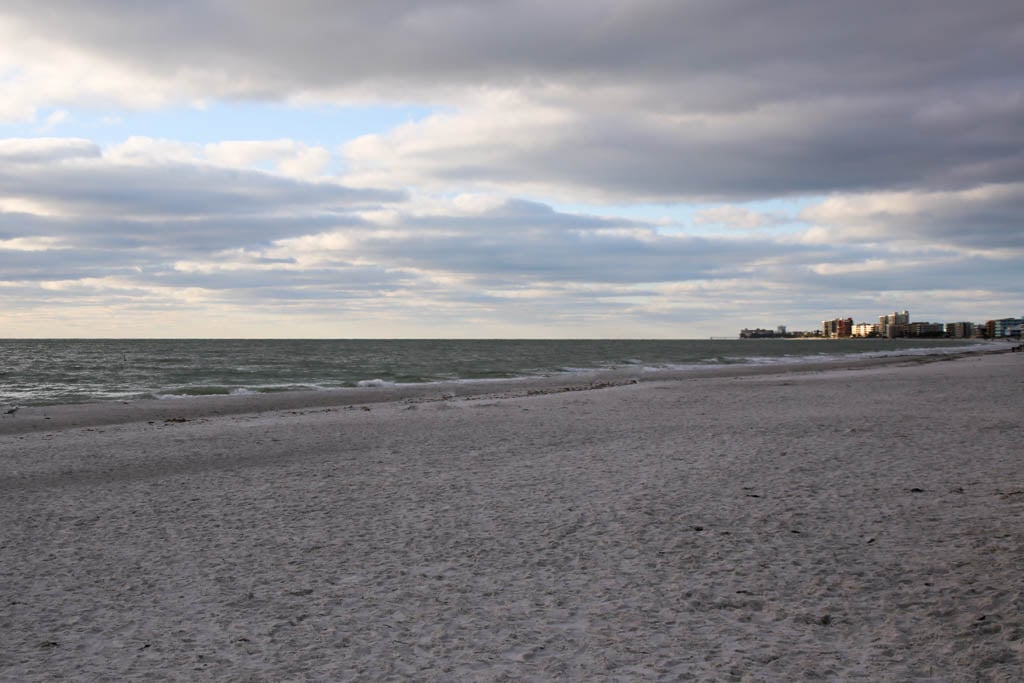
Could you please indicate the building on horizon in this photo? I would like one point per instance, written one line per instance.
(1004, 328)
(837, 328)
(762, 333)
(962, 330)
(924, 329)
(780, 332)
(895, 324)
(865, 330)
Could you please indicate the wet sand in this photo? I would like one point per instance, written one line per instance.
(860, 521)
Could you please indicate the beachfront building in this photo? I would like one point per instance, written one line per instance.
(927, 329)
(837, 328)
(756, 333)
(1003, 328)
(960, 330)
(865, 330)
(895, 324)
(780, 332)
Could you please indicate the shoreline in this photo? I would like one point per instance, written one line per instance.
(110, 412)
(853, 521)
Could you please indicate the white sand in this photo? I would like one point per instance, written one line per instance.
(850, 524)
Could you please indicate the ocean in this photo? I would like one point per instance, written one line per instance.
(47, 372)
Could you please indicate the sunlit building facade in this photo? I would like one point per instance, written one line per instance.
(895, 324)
(837, 328)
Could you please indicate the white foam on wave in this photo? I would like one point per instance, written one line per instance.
(376, 383)
(196, 391)
(821, 357)
(907, 352)
(571, 370)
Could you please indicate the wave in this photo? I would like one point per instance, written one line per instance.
(36, 373)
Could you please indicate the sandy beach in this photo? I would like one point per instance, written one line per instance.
(856, 522)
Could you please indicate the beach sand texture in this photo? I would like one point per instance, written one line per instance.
(844, 524)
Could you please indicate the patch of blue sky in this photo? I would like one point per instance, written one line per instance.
(681, 218)
(320, 125)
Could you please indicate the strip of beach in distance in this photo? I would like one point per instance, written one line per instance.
(854, 519)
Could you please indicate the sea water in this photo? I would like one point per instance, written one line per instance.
(42, 372)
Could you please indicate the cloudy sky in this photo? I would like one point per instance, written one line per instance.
(512, 168)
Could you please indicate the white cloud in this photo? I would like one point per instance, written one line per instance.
(875, 265)
(735, 217)
(972, 218)
(248, 153)
(474, 141)
(55, 119)
(153, 152)
(18, 205)
(31, 243)
(46, 150)
(305, 162)
(288, 158)
(43, 71)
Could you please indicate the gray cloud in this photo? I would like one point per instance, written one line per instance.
(770, 51)
(988, 217)
(551, 272)
(558, 255)
(46, 150)
(904, 117)
(518, 244)
(177, 190)
(731, 99)
(514, 214)
(190, 234)
(786, 149)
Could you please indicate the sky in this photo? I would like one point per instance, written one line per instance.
(514, 168)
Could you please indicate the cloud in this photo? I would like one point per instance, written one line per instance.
(162, 179)
(46, 150)
(518, 265)
(147, 228)
(586, 148)
(70, 212)
(55, 119)
(282, 156)
(897, 126)
(735, 217)
(151, 224)
(712, 50)
(30, 243)
(288, 157)
(982, 218)
(654, 101)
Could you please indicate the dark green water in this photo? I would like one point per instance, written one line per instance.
(39, 372)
